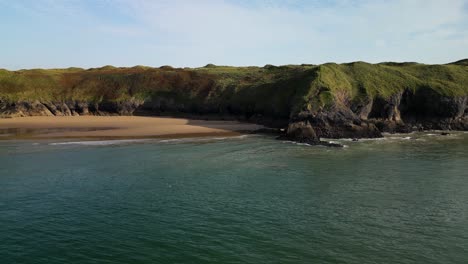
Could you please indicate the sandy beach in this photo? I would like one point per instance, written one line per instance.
(118, 127)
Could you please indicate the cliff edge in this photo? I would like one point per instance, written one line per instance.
(353, 100)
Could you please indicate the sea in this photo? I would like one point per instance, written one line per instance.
(246, 199)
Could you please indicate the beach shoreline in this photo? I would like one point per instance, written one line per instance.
(117, 127)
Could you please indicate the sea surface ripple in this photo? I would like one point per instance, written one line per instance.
(249, 199)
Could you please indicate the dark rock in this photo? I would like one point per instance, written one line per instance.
(82, 108)
(25, 108)
(118, 108)
(363, 108)
(386, 108)
(341, 122)
(64, 109)
(301, 131)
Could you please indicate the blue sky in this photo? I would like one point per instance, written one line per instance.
(93, 33)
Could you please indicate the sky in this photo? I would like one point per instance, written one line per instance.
(193, 33)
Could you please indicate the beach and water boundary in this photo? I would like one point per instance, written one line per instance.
(117, 127)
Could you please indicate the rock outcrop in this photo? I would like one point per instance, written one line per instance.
(24, 108)
(403, 112)
(68, 108)
(301, 131)
(308, 102)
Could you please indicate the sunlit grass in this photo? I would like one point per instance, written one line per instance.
(276, 90)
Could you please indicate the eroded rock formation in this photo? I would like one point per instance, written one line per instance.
(353, 100)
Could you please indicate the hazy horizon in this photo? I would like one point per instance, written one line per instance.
(221, 65)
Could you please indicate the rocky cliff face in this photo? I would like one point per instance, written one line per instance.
(402, 112)
(67, 108)
(353, 100)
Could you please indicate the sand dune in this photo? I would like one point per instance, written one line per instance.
(116, 127)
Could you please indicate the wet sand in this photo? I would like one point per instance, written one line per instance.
(117, 127)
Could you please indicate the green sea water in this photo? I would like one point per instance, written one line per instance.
(249, 199)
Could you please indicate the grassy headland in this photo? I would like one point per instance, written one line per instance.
(272, 91)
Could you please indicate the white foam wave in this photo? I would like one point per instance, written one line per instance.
(300, 144)
(202, 139)
(370, 139)
(128, 141)
(99, 142)
(400, 138)
(295, 143)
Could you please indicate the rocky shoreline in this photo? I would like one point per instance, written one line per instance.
(401, 113)
(307, 102)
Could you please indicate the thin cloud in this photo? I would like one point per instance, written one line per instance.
(395, 25)
(194, 33)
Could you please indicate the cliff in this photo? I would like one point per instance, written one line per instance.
(330, 100)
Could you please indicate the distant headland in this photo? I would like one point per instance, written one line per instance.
(352, 100)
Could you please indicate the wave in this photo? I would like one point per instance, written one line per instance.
(200, 139)
(295, 143)
(99, 142)
(312, 145)
(129, 141)
(396, 138)
(360, 139)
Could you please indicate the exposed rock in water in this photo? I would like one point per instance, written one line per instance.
(302, 132)
(401, 113)
(338, 122)
(352, 100)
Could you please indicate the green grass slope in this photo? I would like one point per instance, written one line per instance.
(359, 80)
(276, 91)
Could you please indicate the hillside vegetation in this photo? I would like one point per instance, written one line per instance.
(274, 91)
